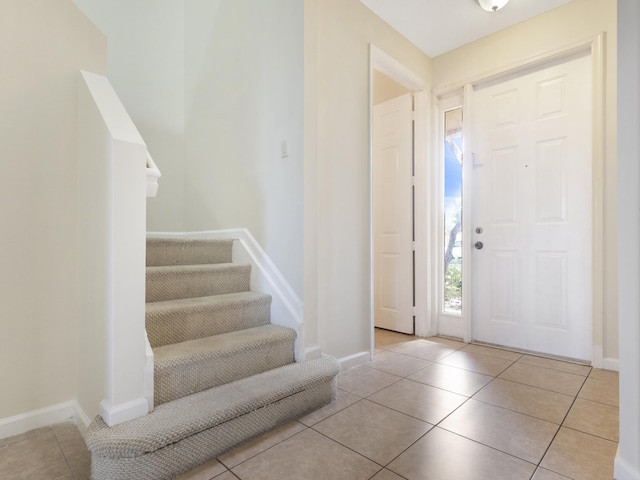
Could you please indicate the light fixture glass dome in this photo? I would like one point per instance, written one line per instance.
(492, 5)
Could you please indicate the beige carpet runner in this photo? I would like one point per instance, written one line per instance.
(223, 372)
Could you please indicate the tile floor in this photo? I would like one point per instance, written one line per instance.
(422, 409)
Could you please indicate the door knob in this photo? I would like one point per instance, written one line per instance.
(478, 245)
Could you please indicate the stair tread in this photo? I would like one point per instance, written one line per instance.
(202, 267)
(222, 300)
(173, 421)
(239, 340)
(174, 321)
(185, 251)
(172, 282)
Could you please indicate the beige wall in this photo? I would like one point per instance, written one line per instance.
(385, 88)
(244, 97)
(146, 68)
(337, 224)
(574, 22)
(43, 44)
(215, 87)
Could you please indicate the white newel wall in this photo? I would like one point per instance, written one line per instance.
(112, 159)
(627, 464)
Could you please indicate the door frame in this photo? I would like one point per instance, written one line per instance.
(392, 68)
(595, 47)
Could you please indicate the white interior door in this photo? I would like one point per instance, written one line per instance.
(532, 200)
(393, 215)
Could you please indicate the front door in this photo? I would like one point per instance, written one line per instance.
(393, 214)
(532, 210)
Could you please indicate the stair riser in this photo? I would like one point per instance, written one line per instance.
(187, 251)
(182, 324)
(195, 450)
(217, 368)
(174, 285)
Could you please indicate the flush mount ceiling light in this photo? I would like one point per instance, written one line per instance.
(492, 5)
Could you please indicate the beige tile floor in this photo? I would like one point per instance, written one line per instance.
(422, 409)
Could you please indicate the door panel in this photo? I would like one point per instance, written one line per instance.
(393, 215)
(532, 198)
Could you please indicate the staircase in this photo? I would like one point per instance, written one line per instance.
(223, 372)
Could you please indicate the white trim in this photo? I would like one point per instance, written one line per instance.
(372, 341)
(153, 174)
(422, 207)
(286, 306)
(81, 418)
(523, 64)
(389, 66)
(354, 360)
(43, 417)
(123, 412)
(467, 196)
(149, 374)
(622, 470)
(384, 63)
(595, 46)
(312, 353)
(597, 174)
(612, 364)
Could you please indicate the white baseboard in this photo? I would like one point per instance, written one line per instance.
(611, 364)
(354, 360)
(117, 414)
(43, 417)
(623, 471)
(312, 353)
(81, 418)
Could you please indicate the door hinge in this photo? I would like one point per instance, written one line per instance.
(413, 246)
(413, 181)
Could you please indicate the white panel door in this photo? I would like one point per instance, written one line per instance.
(393, 215)
(532, 185)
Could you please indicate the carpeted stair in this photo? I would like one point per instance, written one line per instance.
(223, 373)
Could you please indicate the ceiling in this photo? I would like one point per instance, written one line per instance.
(437, 26)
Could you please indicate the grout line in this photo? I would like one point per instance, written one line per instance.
(541, 388)
(592, 435)
(490, 447)
(262, 451)
(66, 460)
(560, 427)
(349, 448)
(555, 369)
(599, 403)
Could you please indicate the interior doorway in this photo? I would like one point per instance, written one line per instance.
(392, 194)
(388, 196)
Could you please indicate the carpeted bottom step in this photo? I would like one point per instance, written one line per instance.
(180, 435)
(176, 321)
(185, 368)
